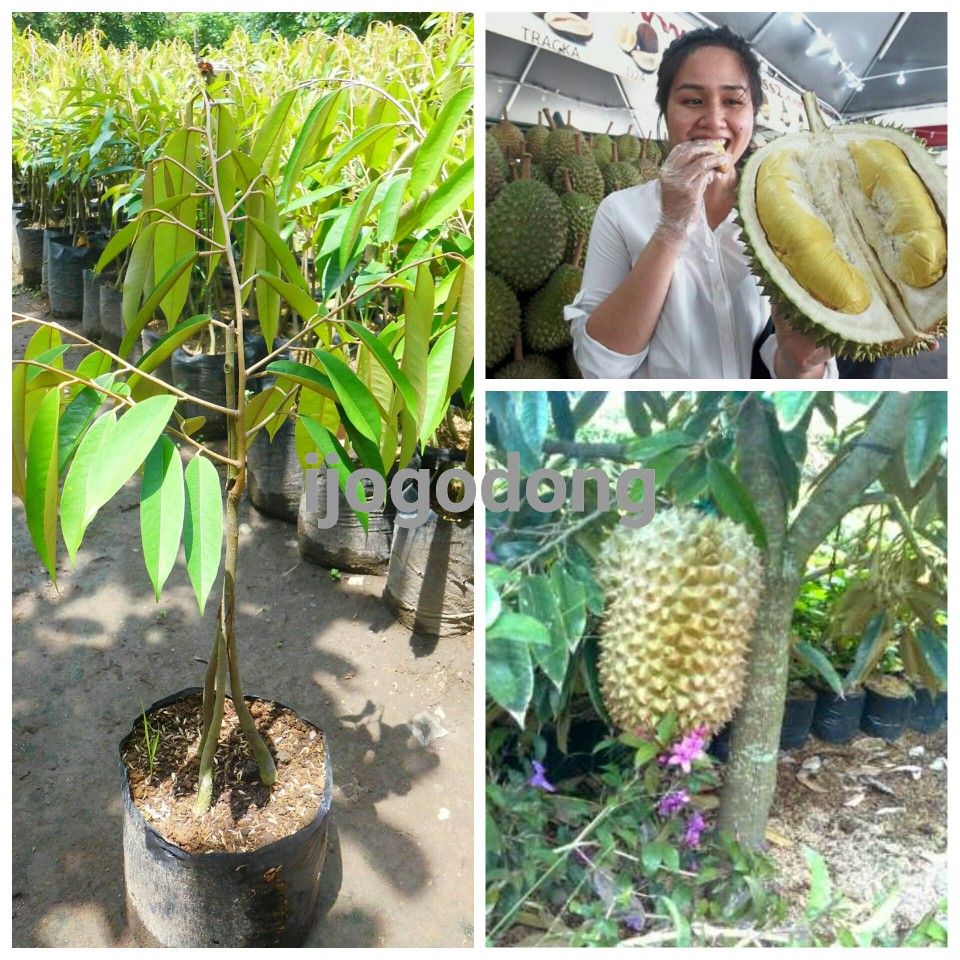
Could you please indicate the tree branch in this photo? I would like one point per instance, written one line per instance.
(859, 465)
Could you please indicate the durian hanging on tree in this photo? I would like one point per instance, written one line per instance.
(681, 599)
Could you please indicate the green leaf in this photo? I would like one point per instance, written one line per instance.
(358, 404)
(129, 443)
(820, 894)
(42, 484)
(509, 674)
(462, 359)
(651, 856)
(647, 448)
(355, 147)
(418, 324)
(438, 373)
(78, 416)
(386, 359)
(538, 601)
(268, 142)
(73, 500)
(19, 430)
(820, 662)
(146, 312)
(926, 434)
(871, 648)
(328, 444)
(202, 526)
(493, 605)
(791, 405)
(390, 209)
(359, 210)
(161, 510)
(433, 151)
(118, 243)
(306, 376)
(302, 303)
(448, 198)
(734, 499)
(285, 259)
(312, 130)
(140, 263)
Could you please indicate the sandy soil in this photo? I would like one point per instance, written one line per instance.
(400, 868)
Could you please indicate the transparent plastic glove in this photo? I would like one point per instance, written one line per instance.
(691, 167)
(797, 353)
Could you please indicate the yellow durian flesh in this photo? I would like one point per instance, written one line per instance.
(803, 241)
(909, 216)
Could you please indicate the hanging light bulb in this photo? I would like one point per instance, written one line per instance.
(901, 79)
(796, 19)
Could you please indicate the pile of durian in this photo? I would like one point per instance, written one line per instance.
(543, 187)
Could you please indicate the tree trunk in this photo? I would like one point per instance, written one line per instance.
(751, 774)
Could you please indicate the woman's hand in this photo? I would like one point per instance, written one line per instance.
(691, 167)
(797, 356)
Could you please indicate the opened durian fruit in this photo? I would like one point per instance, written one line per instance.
(846, 226)
(681, 597)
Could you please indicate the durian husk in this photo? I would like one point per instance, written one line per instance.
(681, 599)
(898, 318)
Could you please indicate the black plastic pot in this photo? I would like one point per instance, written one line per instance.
(274, 473)
(797, 718)
(719, 746)
(265, 898)
(346, 545)
(31, 255)
(837, 719)
(111, 317)
(885, 716)
(202, 375)
(929, 713)
(49, 234)
(67, 264)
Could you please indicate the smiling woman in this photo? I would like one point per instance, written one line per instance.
(666, 288)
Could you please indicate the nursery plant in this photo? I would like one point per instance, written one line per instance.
(212, 200)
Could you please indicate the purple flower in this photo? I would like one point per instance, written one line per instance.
(690, 748)
(539, 778)
(491, 556)
(695, 826)
(672, 802)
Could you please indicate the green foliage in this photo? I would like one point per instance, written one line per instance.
(603, 858)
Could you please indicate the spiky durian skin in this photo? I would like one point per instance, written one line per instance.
(580, 211)
(496, 168)
(681, 599)
(584, 173)
(536, 138)
(560, 144)
(510, 139)
(544, 326)
(526, 234)
(503, 319)
(534, 367)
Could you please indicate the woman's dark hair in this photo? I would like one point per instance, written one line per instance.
(676, 54)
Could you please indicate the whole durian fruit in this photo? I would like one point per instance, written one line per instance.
(582, 171)
(526, 233)
(846, 226)
(496, 168)
(533, 366)
(681, 598)
(509, 137)
(536, 138)
(503, 319)
(544, 326)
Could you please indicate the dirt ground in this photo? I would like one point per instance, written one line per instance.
(400, 868)
(876, 812)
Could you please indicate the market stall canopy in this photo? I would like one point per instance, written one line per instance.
(875, 48)
(852, 60)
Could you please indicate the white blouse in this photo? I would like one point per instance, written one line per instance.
(714, 309)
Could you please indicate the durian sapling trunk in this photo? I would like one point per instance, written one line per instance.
(750, 778)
